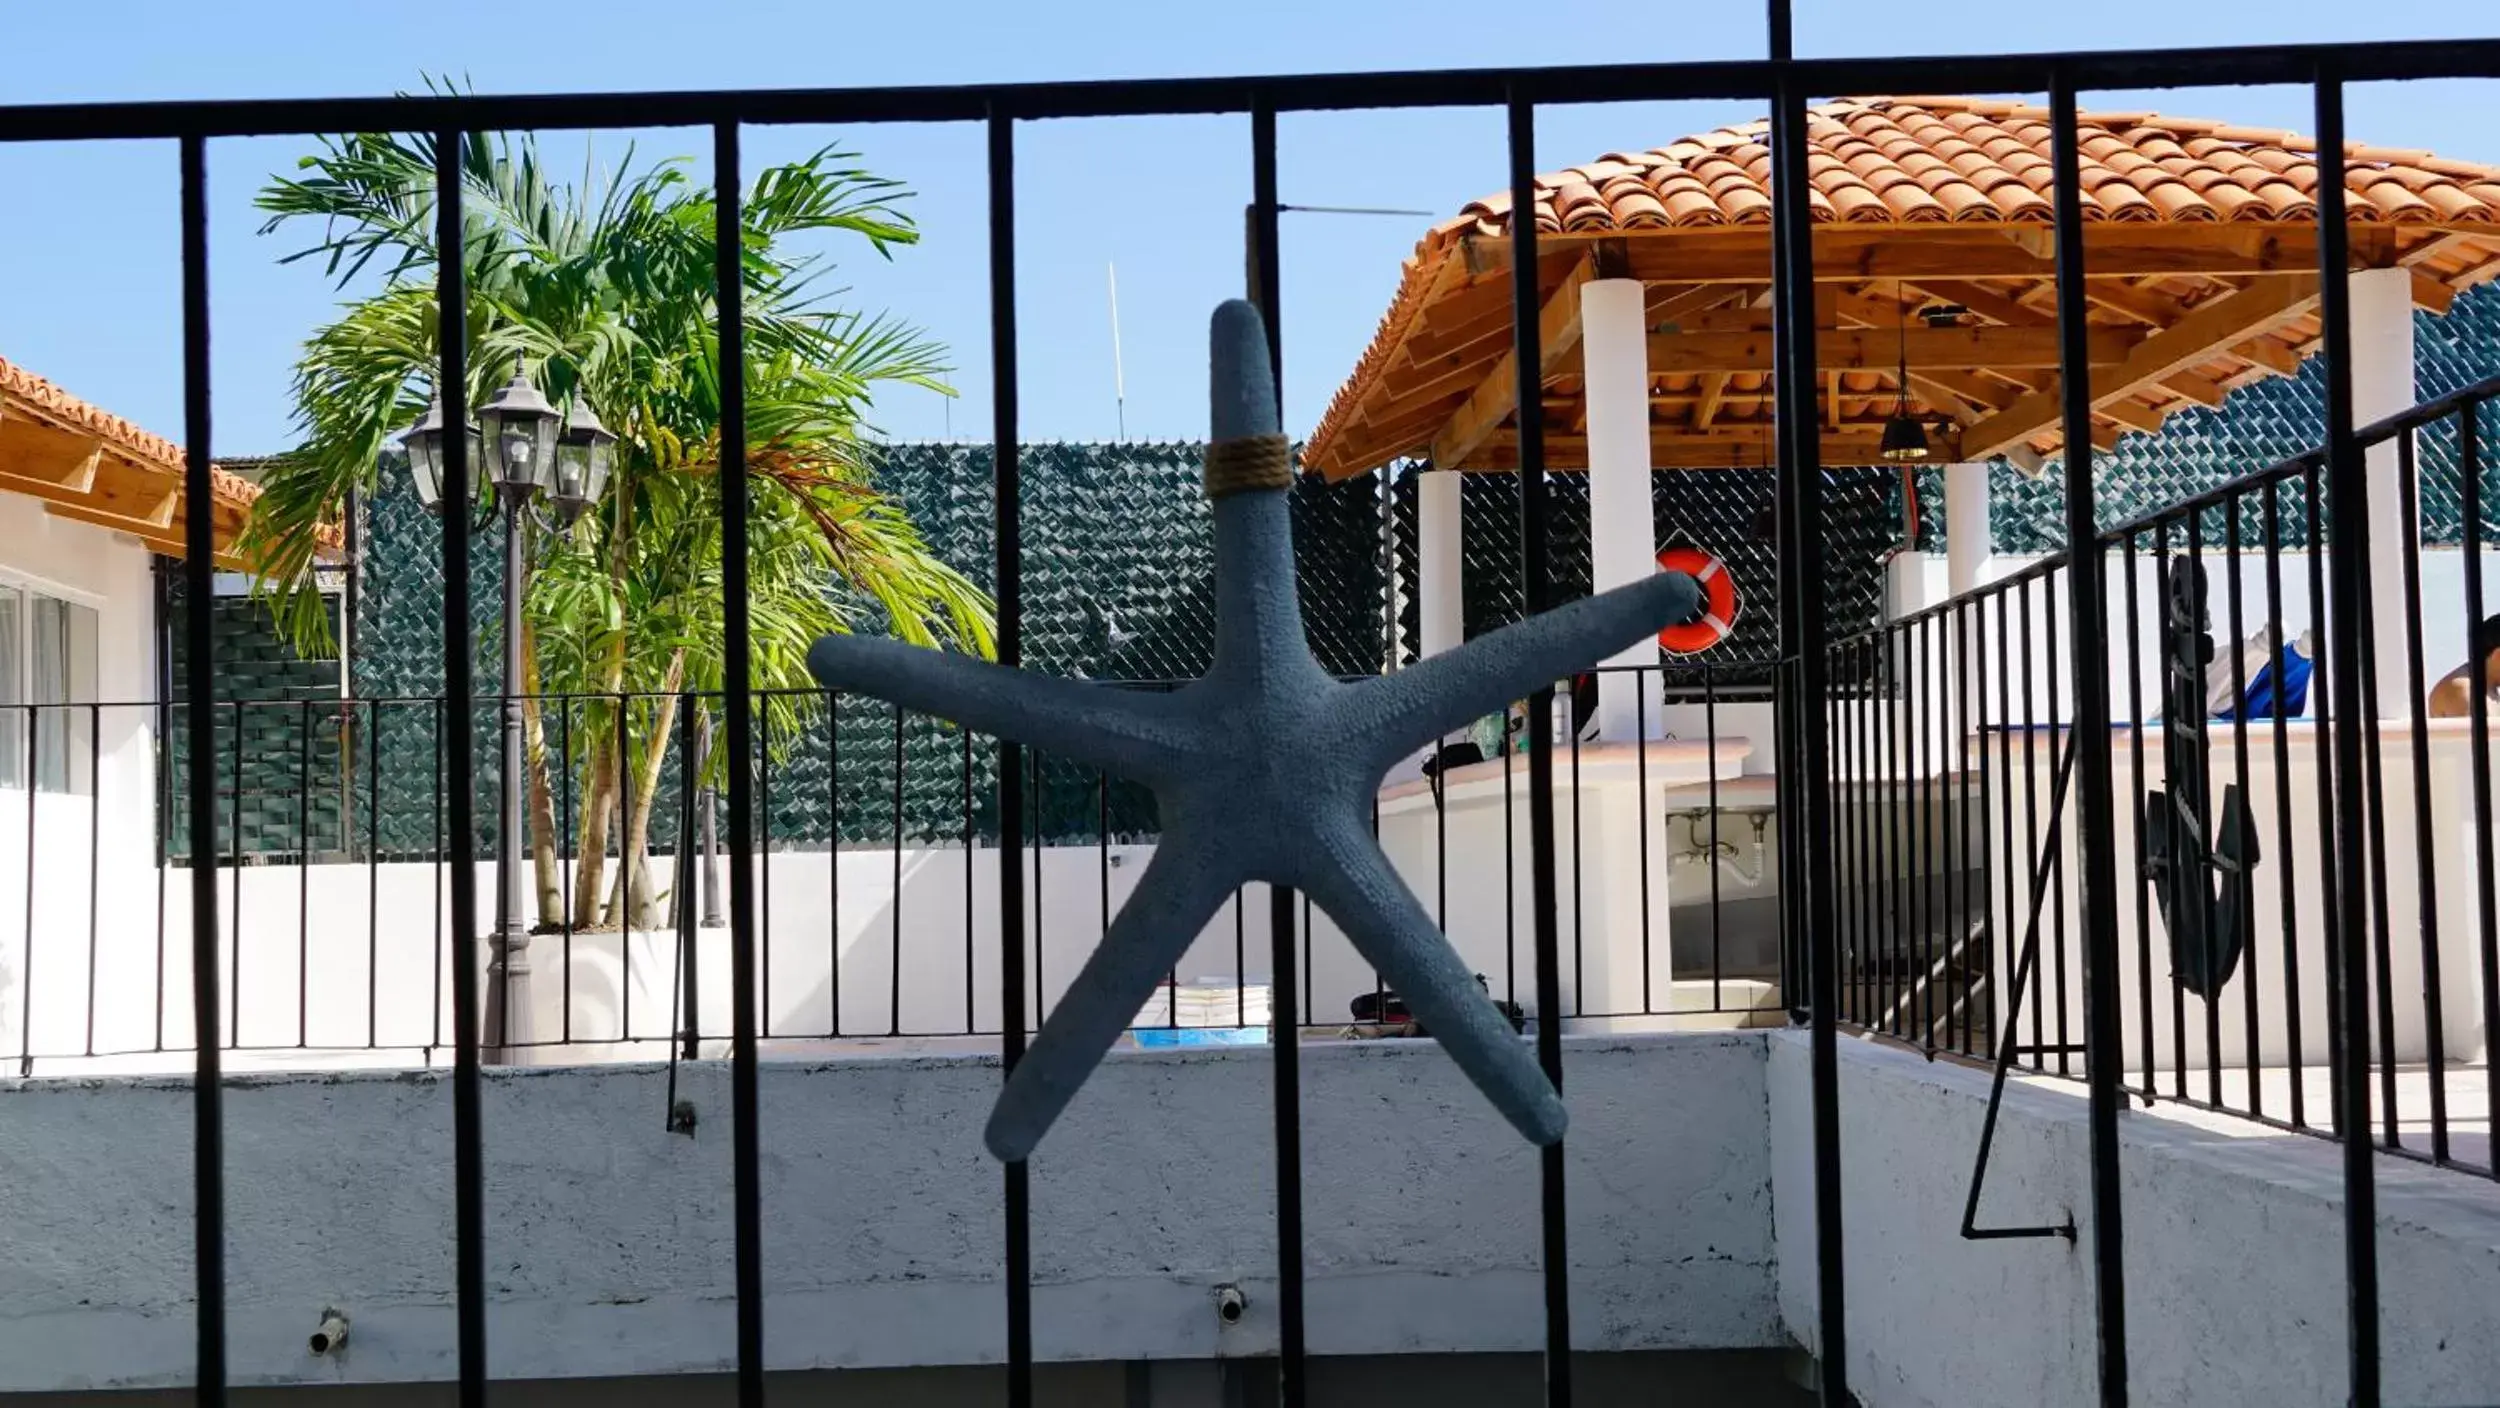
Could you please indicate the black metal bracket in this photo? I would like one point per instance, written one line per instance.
(2007, 1047)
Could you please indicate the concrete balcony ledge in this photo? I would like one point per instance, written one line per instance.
(610, 1248)
(610, 1245)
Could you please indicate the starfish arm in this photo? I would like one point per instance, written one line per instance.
(1182, 888)
(1373, 905)
(1437, 695)
(1132, 733)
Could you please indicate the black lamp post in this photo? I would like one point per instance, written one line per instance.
(527, 450)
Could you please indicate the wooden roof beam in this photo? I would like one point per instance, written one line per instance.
(1985, 302)
(1693, 354)
(2194, 338)
(1496, 394)
(1923, 255)
(1671, 447)
(41, 455)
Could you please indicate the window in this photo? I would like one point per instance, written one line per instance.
(47, 658)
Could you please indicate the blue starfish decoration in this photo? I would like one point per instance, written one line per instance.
(1265, 769)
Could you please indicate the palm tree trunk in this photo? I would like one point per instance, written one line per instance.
(639, 894)
(598, 808)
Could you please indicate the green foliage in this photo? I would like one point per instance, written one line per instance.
(605, 290)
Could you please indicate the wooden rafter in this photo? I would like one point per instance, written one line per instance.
(1496, 393)
(2223, 321)
(1852, 349)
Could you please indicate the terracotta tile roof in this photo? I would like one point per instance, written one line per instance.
(1912, 164)
(23, 394)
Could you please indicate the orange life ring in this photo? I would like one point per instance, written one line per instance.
(1718, 601)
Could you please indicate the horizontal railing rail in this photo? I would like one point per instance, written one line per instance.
(871, 822)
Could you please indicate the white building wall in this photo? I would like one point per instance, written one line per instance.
(107, 573)
(2234, 1250)
(611, 1246)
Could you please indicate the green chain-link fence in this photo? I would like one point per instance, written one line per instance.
(1118, 549)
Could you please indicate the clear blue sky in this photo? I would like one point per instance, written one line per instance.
(89, 275)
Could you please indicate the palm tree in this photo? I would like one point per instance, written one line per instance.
(605, 291)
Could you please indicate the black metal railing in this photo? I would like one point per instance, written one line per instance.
(1805, 746)
(1958, 846)
(876, 834)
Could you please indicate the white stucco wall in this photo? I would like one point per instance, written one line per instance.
(107, 573)
(2234, 1245)
(610, 1243)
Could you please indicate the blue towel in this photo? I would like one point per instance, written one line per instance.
(2264, 701)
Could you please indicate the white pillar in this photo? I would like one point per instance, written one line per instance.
(2382, 385)
(1443, 565)
(1623, 535)
(1967, 545)
(1966, 540)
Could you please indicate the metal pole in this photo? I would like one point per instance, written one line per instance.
(459, 794)
(2348, 624)
(208, 1129)
(1804, 763)
(737, 707)
(507, 963)
(1536, 573)
(1265, 280)
(1007, 524)
(2096, 809)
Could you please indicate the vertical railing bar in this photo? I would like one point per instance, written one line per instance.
(26, 957)
(1579, 965)
(737, 709)
(833, 868)
(566, 854)
(1266, 279)
(2012, 1014)
(1896, 834)
(1710, 732)
(1804, 788)
(208, 1189)
(1536, 583)
(2031, 786)
(1957, 854)
(95, 853)
(303, 877)
(687, 923)
(234, 850)
(1866, 791)
(2426, 914)
(894, 906)
(459, 765)
(2242, 882)
(1008, 593)
(2170, 785)
(2349, 618)
(373, 874)
(1640, 789)
(442, 879)
(2486, 892)
(1919, 994)
(972, 1022)
(764, 871)
(2135, 805)
(2283, 801)
(2207, 814)
(2057, 854)
(2096, 810)
(623, 913)
(2323, 671)
(2374, 810)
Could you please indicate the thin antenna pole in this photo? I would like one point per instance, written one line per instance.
(1119, 378)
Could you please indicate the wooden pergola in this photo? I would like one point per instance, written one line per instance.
(89, 466)
(1932, 246)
